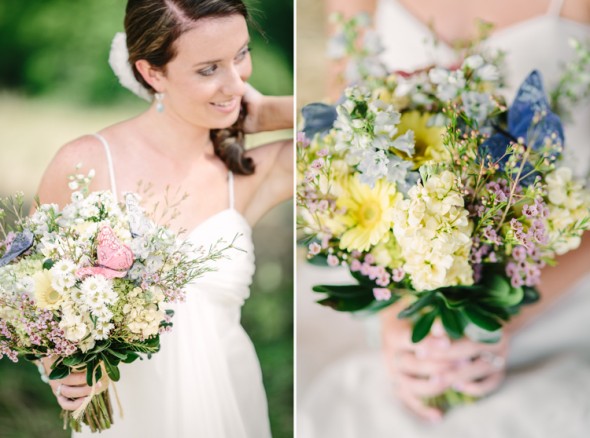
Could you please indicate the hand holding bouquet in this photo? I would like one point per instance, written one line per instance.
(87, 287)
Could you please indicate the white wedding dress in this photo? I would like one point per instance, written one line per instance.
(206, 380)
(343, 389)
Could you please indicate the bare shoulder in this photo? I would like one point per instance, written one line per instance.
(78, 156)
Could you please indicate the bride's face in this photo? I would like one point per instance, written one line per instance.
(205, 82)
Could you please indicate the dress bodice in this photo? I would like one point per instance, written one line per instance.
(537, 43)
(229, 281)
(228, 284)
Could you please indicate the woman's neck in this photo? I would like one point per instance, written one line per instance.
(174, 137)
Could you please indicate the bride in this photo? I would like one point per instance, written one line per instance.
(545, 393)
(193, 57)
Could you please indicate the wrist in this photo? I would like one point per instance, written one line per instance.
(276, 112)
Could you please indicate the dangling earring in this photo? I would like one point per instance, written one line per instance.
(159, 102)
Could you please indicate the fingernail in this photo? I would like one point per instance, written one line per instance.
(99, 385)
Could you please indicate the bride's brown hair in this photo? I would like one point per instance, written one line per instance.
(152, 27)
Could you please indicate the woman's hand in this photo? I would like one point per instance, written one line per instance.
(479, 368)
(435, 364)
(71, 391)
(415, 374)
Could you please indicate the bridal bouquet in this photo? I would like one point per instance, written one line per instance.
(431, 190)
(88, 286)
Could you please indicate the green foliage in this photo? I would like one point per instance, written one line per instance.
(488, 304)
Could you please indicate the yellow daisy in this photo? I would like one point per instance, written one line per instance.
(429, 145)
(366, 213)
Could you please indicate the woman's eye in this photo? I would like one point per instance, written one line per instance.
(243, 54)
(208, 71)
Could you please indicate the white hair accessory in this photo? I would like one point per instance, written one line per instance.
(119, 62)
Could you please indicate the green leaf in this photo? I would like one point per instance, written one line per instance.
(48, 264)
(453, 321)
(531, 295)
(422, 326)
(112, 368)
(98, 374)
(101, 347)
(89, 367)
(363, 279)
(59, 372)
(423, 301)
(344, 291)
(347, 305)
(131, 357)
(500, 293)
(481, 318)
(73, 361)
(121, 355)
(319, 260)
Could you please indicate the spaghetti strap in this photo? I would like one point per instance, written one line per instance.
(107, 150)
(230, 178)
(554, 9)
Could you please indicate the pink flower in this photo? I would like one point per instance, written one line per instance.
(383, 280)
(302, 140)
(516, 281)
(381, 293)
(398, 274)
(519, 253)
(317, 164)
(333, 260)
(369, 258)
(355, 265)
(314, 248)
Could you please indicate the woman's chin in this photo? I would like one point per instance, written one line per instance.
(225, 122)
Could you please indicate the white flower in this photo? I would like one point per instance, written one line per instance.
(473, 62)
(102, 330)
(97, 292)
(63, 268)
(488, 73)
(74, 328)
(405, 142)
(119, 62)
(477, 105)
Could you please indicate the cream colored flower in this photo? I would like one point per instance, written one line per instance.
(434, 232)
(46, 296)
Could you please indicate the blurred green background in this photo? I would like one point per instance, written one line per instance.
(55, 85)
